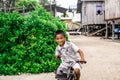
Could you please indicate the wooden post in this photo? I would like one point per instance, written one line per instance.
(5, 6)
(23, 9)
(51, 7)
(113, 33)
(87, 30)
(10, 6)
(106, 34)
(82, 31)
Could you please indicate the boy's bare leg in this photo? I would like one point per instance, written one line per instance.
(77, 72)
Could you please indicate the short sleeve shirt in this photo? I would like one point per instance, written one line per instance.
(68, 52)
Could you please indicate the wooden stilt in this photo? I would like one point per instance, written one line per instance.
(87, 30)
(106, 34)
(84, 30)
(113, 33)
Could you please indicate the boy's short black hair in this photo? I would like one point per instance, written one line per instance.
(59, 32)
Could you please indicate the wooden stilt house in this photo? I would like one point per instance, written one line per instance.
(92, 16)
(112, 17)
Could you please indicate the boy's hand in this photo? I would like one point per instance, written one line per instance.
(82, 61)
(57, 57)
(82, 57)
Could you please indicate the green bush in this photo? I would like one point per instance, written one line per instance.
(27, 43)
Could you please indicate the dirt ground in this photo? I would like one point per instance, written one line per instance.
(102, 56)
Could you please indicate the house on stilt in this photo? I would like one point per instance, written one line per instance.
(112, 18)
(100, 17)
(92, 14)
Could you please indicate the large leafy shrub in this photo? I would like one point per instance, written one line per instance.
(27, 43)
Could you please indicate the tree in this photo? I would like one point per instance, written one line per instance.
(44, 2)
(6, 5)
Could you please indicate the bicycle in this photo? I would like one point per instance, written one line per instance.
(68, 74)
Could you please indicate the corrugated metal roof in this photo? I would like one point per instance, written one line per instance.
(58, 8)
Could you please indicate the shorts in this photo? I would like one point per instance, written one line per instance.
(65, 65)
(77, 65)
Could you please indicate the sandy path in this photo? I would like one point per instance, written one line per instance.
(103, 58)
(103, 61)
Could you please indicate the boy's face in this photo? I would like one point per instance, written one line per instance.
(60, 39)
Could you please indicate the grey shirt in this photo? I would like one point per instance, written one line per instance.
(68, 52)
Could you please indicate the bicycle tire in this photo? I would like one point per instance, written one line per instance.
(72, 78)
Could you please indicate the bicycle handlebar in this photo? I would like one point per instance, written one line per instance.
(82, 62)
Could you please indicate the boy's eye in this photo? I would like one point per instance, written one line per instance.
(59, 38)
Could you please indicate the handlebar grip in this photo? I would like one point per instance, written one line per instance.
(83, 62)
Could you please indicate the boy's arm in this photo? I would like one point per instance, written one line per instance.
(76, 49)
(57, 54)
(81, 55)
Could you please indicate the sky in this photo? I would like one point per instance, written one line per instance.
(66, 3)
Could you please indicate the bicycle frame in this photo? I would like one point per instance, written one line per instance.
(69, 72)
(71, 75)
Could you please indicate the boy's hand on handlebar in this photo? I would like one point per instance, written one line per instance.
(83, 62)
(57, 57)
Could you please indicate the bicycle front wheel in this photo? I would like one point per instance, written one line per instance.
(72, 78)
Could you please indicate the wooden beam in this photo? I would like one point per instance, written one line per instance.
(97, 31)
(112, 19)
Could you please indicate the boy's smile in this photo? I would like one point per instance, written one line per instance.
(60, 39)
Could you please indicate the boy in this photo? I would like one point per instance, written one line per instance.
(68, 52)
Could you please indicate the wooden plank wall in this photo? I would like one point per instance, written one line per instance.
(89, 16)
(112, 9)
